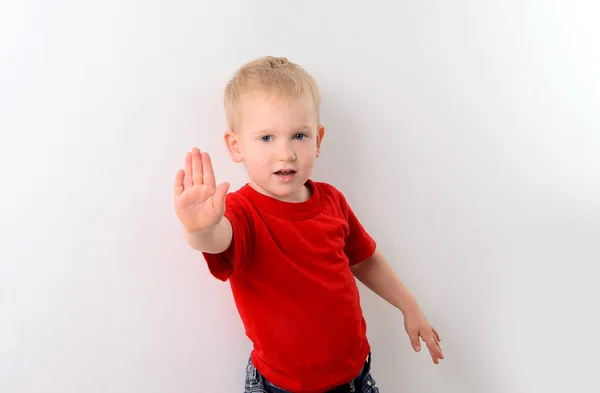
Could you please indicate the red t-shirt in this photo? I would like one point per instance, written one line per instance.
(289, 269)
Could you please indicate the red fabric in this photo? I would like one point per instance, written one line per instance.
(289, 270)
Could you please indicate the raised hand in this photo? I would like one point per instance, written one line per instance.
(199, 203)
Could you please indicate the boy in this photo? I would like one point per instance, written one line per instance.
(291, 248)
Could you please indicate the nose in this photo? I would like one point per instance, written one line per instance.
(286, 153)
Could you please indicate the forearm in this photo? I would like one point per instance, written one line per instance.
(212, 240)
(377, 275)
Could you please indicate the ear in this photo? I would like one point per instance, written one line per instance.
(233, 146)
(320, 135)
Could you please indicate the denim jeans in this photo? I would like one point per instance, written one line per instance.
(363, 383)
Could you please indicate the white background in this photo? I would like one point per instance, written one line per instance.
(466, 135)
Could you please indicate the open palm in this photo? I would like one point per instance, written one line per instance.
(199, 203)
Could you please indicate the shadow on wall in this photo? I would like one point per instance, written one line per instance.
(428, 235)
(341, 156)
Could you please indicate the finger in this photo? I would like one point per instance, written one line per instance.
(438, 351)
(434, 347)
(187, 168)
(432, 350)
(437, 335)
(197, 176)
(415, 341)
(209, 173)
(220, 194)
(178, 186)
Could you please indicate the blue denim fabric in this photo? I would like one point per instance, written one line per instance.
(363, 383)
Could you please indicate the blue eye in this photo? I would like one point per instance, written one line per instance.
(266, 138)
(299, 136)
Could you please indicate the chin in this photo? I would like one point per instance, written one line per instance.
(284, 191)
(289, 191)
(279, 190)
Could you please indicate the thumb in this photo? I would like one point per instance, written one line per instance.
(220, 194)
(415, 342)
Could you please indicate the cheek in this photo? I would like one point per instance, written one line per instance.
(308, 150)
(251, 150)
(307, 156)
(256, 158)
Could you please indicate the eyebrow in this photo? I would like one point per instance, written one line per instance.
(305, 127)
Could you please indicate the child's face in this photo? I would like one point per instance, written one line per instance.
(278, 140)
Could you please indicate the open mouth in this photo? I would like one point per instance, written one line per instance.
(285, 173)
(285, 176)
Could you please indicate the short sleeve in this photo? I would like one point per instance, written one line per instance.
(224, 264)
(359, 244)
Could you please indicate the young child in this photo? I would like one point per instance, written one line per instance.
(291, 248)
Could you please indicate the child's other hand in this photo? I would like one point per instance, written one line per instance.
(199, 203)
(417, 327)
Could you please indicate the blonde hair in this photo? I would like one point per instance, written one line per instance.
(269, 74)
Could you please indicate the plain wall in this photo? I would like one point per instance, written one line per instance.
(465, 134)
